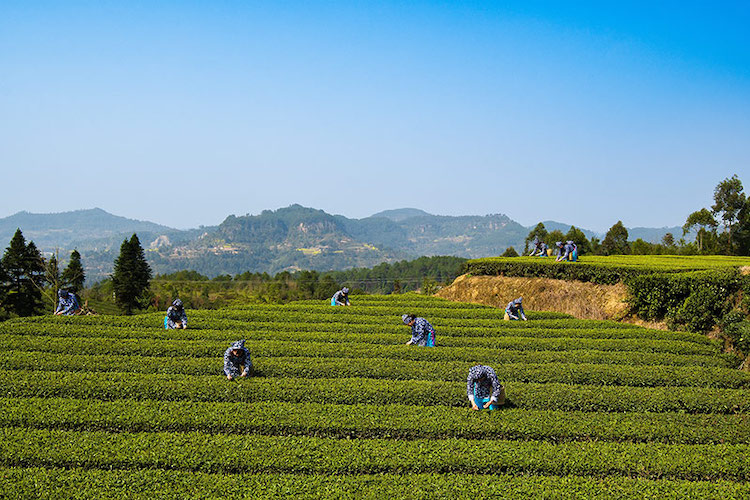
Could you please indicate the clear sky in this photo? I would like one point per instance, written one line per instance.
(185, 112)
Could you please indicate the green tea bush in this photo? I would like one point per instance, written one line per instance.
(147, 484)
(696, 301)
(106, 406)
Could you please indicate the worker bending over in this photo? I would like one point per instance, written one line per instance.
(237, 361)
(514, 310)
(567, 251)
(539, 248)
(341, 298)
(67, 303)
(422, 332)
(483, 388)
(176, 317)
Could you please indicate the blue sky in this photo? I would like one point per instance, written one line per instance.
(185, 112)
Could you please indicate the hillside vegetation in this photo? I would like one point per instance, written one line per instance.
(339, 406)
(696, 293)
(601, 269)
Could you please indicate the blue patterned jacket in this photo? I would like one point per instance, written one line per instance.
(421, 332)
(483, 382)
(67, 304)
(515, 309)
(233, 364)
(174, 315)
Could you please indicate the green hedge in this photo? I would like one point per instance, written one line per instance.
(209, 348)
(369, 421)
(76, 483)
(696, 301)
(597, 269)
(478, 350)
(197, 451)
(392, 369)
(551, 396)
(575, 271)
(388, 334)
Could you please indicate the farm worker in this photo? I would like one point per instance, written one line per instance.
(514, 310)
(539, 248)
(535, 246)
(422, 332)
(341, 298)
(543, 250)
(568, 251)
(67, 303)
(483, 388)
(176, 316)
(237, 360)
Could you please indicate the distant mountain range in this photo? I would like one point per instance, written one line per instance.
(290, 238)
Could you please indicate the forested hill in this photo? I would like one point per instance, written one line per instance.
(290, 238)
(76, 228)
(297, 237)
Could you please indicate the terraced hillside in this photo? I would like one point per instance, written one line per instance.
(110, 407)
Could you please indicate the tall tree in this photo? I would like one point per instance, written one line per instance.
(25, 270)
(131, 276)
(553, 237)
(539, 232)
(728, 201)
(616, 240)
(742, 230)
(74, 276)
(706, 224)
(52, 282)
(668, 240)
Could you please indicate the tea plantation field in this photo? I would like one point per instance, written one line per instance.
(117, 407)
(602, 269)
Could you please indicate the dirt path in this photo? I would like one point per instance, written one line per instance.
(582, 300)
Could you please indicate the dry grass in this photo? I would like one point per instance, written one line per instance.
(582, 300)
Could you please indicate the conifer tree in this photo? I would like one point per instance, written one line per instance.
(25, 275)
(131, 276)
(74, 276)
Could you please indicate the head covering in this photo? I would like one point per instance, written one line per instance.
(62, 292)
(240, 344)
(177, 303)
(558, 243)
(406, 318)
(519, 299)
(345, 290)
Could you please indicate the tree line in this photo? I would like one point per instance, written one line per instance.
(29, 282)
(724, 229)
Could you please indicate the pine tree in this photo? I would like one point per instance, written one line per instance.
(131, 276)
(25, 271)
(74, 276)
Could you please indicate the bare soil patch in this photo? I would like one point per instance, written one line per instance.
(579, 299)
